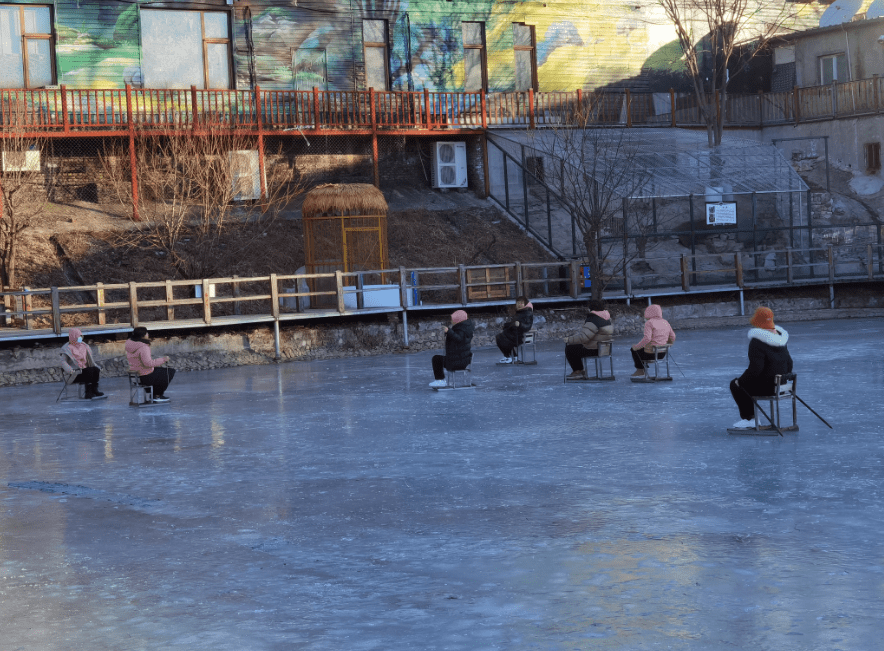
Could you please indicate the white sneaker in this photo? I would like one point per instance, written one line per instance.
(745, 424)
(438, 384)
(785, 389)
(506, 360)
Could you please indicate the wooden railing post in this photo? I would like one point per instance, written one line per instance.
(235, 291)
(672, 104)
(207, 302)
(133, 158)
(316, 122)
(870, 267)
(56, 312)
(760, 108)
(28, 306)
(628, 109)
(99, 302)
(830, 253)
(738, 269)
(427, 109)
(274, 296)
(796, 104)
(685, 275)
(339, 289)
(372, 110)
(133, 305)
(65, 118)
(531, 123)
(575, 279)
(194, 116)
(170, 296)
(403, 288)
(259, 106)
(520, 280)
(462, 281)
(876, 92)
(789, 273)
(484, 118)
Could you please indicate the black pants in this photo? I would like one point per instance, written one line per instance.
(505, 343)
(640, 355)
(159, 379)
(744, 401)
(575, 353)
(89, 377)
(439, 367)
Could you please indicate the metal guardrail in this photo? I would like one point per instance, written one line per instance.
(216, 302)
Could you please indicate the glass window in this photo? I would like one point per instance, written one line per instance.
(833, 68)
(26, 47)
(374, 38)
(474, 78)
(172, 41)
(525, 56)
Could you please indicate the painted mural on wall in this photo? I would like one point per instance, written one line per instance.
(303, 44)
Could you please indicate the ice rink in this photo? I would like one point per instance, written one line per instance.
(342, 505)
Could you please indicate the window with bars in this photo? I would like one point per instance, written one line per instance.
(374, 42)
(525, 50)
(27, 58)
(475, 77)
(872, 152)
(180, 49)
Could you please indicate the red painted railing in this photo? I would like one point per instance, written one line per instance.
(65, 111)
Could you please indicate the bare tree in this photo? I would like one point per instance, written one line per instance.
(196, 191)
(710, 33)
(24, 190)
(596, 172)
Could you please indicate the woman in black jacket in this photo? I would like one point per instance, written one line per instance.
(458, 354)
(768, 357)
(514, 331)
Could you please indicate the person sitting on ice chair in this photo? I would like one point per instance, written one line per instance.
(514, 331)
(657, 332)
(79, 365)
(768, 357)
(458, 353)
(585, 343)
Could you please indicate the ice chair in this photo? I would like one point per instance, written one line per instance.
(66, 390)
(656, 362)
(462, 379)
(521, 351)
(604, 350)
(139, 394)
(774, 426)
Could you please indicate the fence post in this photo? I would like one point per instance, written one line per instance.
(339, 290)
(575, 278)
(374, 137)
(685, 276)
(16, 305)
(672, 104)
(531, 123)
(627, 279)
(235, 290)
(259, 106)
(427, 108)
(56, 312)
(170, 296)
(738, 268)
(830, 254)
(403, 288)
(207, 303)
(462, 280)
(99, 302)
(876, 91)
(274, 296)
(870, 267)
(28, 307)
(796, 105)
(628, 109)
(760, 108)
(133, 304)
(520, 280)
(193, 110)
(316, 108)
(65, 118)
(133, 159)
(834, 99)
(789, 272)
(484, 118)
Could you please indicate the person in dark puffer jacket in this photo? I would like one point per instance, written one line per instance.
(768, 357)
(596, 329)
(514, 331)
(458, 354)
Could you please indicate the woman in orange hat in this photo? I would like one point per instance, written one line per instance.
(768, 357)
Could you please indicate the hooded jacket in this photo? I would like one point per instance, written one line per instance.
(458, 340)
(138, 356)
(513, 334)
(596, 329)
(70, 353)
(768, 357)
(657, 332)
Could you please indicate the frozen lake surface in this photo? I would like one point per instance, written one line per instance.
(343, 505)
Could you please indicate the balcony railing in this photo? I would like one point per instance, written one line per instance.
(63, 111)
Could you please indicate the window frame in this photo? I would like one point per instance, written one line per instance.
(379, 45)
(834, 58)
(25, 37)
(204, 43)
(532, 49)
(483, 55)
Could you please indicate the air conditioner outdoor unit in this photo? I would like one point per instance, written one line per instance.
(449, 165)
(245, 174)
(21, 161)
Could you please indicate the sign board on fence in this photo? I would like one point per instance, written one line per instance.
(721, 213)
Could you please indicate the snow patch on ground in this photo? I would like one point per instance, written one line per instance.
(866, 185)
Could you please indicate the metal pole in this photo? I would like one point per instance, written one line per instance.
(405, 328)
(276, 340)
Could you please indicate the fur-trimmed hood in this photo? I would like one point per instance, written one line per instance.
(776, 339)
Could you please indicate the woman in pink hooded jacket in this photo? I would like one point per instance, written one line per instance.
(658, 332)
(138, 356)
(79, 365)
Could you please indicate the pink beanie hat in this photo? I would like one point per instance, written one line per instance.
(459, 316)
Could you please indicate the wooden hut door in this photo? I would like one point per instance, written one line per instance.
(310, 69)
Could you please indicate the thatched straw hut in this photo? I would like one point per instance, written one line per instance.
(345, 228)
